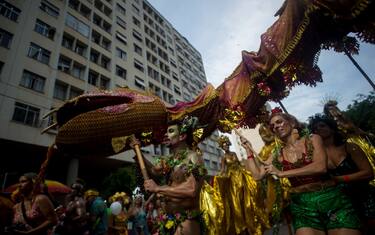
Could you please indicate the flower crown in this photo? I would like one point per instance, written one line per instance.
(276, 110)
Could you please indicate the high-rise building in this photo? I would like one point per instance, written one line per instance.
(54, 50)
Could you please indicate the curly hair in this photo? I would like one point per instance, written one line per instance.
(338, 138)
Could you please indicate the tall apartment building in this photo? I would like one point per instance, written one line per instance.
(54, 50)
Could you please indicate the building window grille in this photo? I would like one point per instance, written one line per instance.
(32, 81)
(136, 22)
(94, 56)
(5, 38)
(80, 49)
(26, 114)
(9, 11)
(38, 53)
(49, 8)
(78, 71)
(74, 92)
(137, 36)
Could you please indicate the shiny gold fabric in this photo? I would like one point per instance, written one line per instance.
(243, 206)
(273, 204)
(212, 207)
(368, 149)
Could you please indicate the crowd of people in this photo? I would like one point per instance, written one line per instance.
(310, 176)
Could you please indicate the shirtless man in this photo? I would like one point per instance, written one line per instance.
(75, 218)
(184, 172)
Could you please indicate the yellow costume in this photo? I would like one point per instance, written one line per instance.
(276, 190)
(242, 202)
(368, 149)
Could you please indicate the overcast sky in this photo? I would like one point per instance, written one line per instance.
(221, 29)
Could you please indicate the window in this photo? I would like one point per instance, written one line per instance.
(9, 11)
(138, 65)
(32, 81)
(120, 9)
(121, 38)
(77, 25)
(106, 44)
(207, 163)
(136, 22)
(93, 78)
(135, 9)
(104, 82)
(1, 66)
(49, 8)
(137, 36)
(120, 53)
(26, 114)
(95, 37)
(120, 22)
(78, 71)
(74, 4)
(67, 42)
(74, 92)
(137, 49)
(94, 56)
(105, 62)
(177, 90)
(5, 38)
(175, 76)
(38, 53)
(173, 63)
(44, 29)
(120, 72)
(60, 91)
(140, 83)
(80, 48)
(64, 64)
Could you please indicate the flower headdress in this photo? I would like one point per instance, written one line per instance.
(120, 196)
(137, 193)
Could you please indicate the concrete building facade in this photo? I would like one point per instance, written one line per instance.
(55, 50)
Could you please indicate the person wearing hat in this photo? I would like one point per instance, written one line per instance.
(97, 209)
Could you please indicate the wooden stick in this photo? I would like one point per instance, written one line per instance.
(141, 162)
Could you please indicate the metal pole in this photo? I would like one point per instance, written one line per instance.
(360, 69)
(283, 107)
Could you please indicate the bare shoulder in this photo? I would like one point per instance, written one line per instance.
(41, 197)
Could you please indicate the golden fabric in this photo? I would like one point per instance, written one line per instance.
(119, 221)
(368, 149)
(243, 206)
(273, 204)
(212, 207)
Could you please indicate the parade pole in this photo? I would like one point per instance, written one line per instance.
(359, 68)
(282, 106)
(141, 162)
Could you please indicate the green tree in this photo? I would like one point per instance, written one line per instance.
(362, 112)
(123, 180)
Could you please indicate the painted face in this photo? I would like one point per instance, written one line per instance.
(280, 126)
(323, 130)
(25, 184)
(172, 136)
